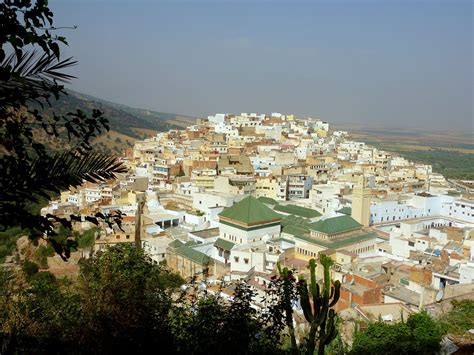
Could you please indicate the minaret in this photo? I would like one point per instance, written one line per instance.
(361, 202)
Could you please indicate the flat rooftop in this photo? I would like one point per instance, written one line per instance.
(403, 294)
(206, 233)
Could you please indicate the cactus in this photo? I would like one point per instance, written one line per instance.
(316, 305)
(288, 295)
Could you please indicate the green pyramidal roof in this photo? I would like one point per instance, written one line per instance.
(345, 210)
(250, 212)
(335, 225)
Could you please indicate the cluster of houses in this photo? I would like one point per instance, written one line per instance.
(233, 195)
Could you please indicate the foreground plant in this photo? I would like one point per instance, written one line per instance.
(316, 302)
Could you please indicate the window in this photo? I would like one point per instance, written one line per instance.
(411, 244)
(236, 259)
(127, 236)
(246, 261)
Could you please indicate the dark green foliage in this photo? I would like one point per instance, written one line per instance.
(211, 325)
(31, 70)
(122, 303)
(8, 240)
(42, 253)
(419, 335)
(87, 239)
(42, 317)
(43, 277)
(30, 268)
(123, 293)
(460, 319)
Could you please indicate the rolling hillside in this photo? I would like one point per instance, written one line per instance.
(127, 124)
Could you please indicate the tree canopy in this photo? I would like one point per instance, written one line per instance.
(32, 77)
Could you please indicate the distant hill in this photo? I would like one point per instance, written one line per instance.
(127, 124)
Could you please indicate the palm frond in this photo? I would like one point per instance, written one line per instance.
(58, 173)
(69, 169)
(32, 66)
(32, 76)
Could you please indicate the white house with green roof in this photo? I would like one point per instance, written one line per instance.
(248, 221)
(336, 233)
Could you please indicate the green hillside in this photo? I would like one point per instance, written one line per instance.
(127, 124)
(122, 118)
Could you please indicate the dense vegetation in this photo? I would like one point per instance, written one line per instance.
(31, 78)
(120, 302)
(8, 240)
(420, 334)
(451, 164)
(460, 319)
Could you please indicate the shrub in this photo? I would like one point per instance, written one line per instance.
(419, 335)
(30, 268)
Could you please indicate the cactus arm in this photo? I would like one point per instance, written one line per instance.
(331, 331)
(304, 300)
(337, 293)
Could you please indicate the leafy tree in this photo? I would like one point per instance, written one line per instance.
(87, 239)
(126, 299)
(42, 317)
(31, 77)
(209, 324)
(421, 334)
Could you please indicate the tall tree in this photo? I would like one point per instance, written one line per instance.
(31, 78)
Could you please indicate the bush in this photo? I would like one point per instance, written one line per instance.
(87, 239)
(41, 255)
(43, 277)
(8, 240)
(419, 335)
(30, 268)
(460, 319)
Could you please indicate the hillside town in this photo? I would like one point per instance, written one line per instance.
(232, 196)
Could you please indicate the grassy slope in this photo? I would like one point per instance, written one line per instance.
(127, 124)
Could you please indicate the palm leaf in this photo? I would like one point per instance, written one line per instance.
(32, 76)
(58, 173)
(69, 169)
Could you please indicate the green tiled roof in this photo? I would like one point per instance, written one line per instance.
(175, 243)
(297, 210)
(338, 243)
(250, 211)
(193, 255)
(295, 220)
(335, 225)
(223, 244)
(267, 200)
(345, 210)
(294, 230)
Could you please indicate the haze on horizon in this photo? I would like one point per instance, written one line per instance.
(388, 63)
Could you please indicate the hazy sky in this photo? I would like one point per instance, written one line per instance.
(386, 62)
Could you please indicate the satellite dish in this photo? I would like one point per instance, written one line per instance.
(439, 296)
